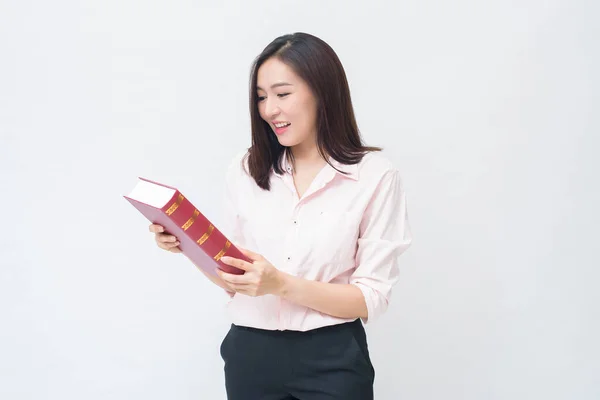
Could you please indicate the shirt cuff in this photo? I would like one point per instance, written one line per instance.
(376, 303)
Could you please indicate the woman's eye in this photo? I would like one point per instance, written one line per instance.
(281, 95)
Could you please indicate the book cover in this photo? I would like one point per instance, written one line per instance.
(200, 240)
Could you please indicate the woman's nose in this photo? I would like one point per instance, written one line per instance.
(272, 109)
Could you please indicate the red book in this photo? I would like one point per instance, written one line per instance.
(199, 239)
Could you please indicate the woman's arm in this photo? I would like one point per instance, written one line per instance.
(261, 277)
(335, 299)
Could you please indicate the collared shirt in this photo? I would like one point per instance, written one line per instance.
(348, 229)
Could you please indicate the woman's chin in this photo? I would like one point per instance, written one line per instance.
(286, 141)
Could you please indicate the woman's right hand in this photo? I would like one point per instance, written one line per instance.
(164, 240)
(169, 242)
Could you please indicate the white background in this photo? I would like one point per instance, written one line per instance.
(490, 110)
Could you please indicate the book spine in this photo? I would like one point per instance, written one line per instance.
(199, 239)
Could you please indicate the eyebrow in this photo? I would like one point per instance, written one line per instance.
(276, 85)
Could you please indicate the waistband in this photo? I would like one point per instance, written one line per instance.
(356, 324)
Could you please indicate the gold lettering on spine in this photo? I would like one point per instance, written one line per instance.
(206, 235)
(175, 205)
(191, 220)
(222, 252)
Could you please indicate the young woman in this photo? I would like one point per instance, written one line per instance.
(324, 220)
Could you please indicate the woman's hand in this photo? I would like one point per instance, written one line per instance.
(163, 240)
(261, 276)
(170, 243)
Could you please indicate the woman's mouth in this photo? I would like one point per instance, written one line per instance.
(280, 128)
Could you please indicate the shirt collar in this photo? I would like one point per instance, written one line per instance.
(351, 171)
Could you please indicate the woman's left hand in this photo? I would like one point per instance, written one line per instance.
(261, 276)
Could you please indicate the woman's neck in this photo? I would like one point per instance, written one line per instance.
(307, 158)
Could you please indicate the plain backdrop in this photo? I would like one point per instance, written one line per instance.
(489, 109)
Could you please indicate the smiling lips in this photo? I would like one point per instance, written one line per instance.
(280, 127)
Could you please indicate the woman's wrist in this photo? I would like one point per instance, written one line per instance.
(286, 282)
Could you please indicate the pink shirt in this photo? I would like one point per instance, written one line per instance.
(344, 229)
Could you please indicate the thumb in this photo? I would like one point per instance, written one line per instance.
(250, 254)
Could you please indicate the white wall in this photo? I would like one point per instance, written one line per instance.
(489, 108)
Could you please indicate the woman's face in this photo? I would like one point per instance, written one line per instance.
(286, 103)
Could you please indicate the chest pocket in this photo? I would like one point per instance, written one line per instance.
(330, 236)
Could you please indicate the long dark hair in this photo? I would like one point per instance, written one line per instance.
(338, 136)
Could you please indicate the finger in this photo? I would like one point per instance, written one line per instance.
(225, 277)
(230, 288)
(154, 228)
(164, 238)
(250, 254)
(248, 290)
(175, 250)
(244, 289)
(167, 246)
(232, 279)
(236, 262)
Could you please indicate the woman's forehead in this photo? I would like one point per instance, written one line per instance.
(274, 73)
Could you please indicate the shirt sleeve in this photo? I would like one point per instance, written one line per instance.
(384, 236)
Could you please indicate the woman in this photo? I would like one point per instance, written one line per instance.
(325, 217)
